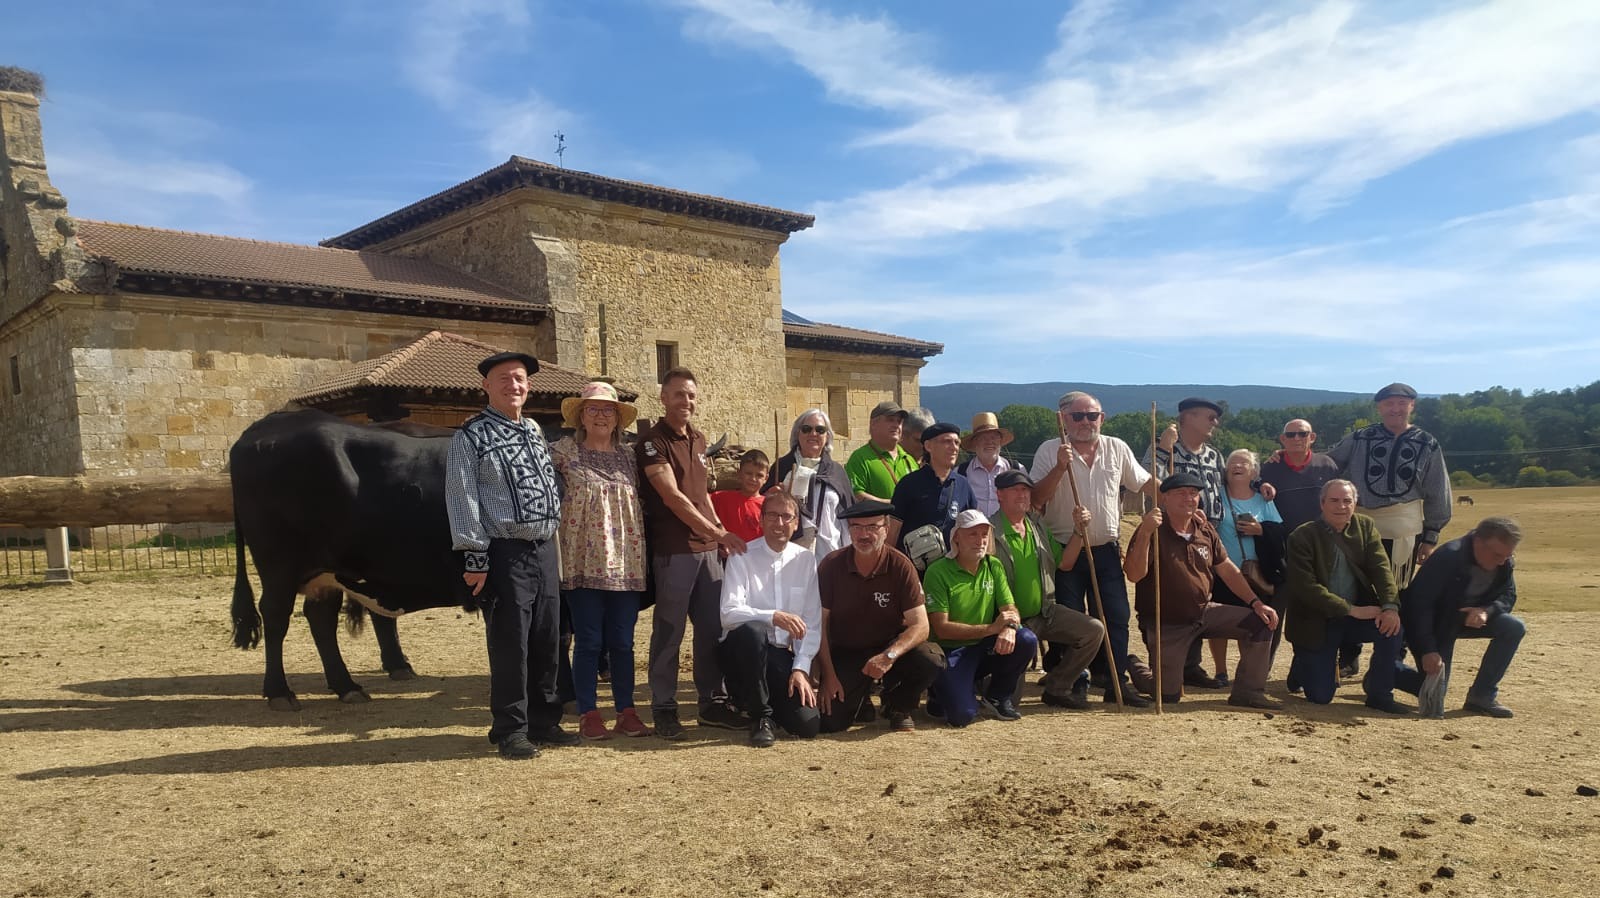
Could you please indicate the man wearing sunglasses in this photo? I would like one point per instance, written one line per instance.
(1298, 474)
(1103, 466)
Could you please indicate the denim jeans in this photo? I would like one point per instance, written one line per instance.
(602, 621)
(955, 689)
(1073, 589)
(1504, 633)
(1317, 670)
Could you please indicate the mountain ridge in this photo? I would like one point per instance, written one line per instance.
(958, 402)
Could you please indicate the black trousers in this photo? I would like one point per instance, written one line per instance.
(903, 683)
(522, 620)
(757, 675)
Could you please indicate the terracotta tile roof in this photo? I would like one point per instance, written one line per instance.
(146, 256)
(445, 363)
(519, 172)
(799, 332)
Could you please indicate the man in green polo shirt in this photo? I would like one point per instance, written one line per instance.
(877, 466)
(973, 617)
(1031, 556)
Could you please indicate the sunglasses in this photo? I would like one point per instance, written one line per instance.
(813, 428)
(1297, 434)
(1086, 416)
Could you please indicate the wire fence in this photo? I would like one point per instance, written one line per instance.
(199, 548)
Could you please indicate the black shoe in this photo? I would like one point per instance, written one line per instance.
(1199, 679)
(901, 723)
(935, 710)
(723, 716)
(1388, 706)
(668, 726)
(516, 747)
(1077, 701)
(1004, 709)
(1348, 669)
(554, 735)
(1292, 683)
(1491, 708)
(1130, 697)
(866, 713)
(762, 735)
(1222, 680)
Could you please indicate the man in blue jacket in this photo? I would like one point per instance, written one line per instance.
(1465, 591)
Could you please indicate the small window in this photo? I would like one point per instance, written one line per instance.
(839, 411)
(666, 360)
(16, 377)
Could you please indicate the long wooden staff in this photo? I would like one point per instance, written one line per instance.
(1094, 578)
(1155, 550)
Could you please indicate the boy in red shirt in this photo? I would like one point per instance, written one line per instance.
(740, 509)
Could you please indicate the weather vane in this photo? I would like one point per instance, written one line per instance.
(561, 148)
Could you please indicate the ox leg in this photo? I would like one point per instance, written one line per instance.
(322, 613)
(277, 605)
(394, 659)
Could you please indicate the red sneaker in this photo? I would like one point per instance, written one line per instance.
(591, 726)
(629, 724)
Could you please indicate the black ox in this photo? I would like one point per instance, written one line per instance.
(328, 508)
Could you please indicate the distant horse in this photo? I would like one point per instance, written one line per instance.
(1463, 500)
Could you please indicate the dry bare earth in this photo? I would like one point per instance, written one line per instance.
(137, 759)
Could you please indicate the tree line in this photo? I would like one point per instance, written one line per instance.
(1490, 437)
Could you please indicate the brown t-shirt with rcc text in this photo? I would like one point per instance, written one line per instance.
(685, 456)
(867, 612)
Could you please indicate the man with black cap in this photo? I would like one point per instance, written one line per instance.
(927, 500)
(1191, 555)
(1402, 485)
(874, 625)
(1031, 557)
(877, 466)
(503, 505)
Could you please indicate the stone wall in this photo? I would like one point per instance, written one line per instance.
(167, 384)
(39, 413)
(38, 246)
(847, 386)
(710, 289)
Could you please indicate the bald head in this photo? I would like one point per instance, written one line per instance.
(1297, 439)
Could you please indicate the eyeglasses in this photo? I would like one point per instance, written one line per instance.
(780, 518)
(1086, 416)
(1297, 434)
(814, 428)
(600, 411)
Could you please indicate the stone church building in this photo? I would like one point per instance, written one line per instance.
(130, 349)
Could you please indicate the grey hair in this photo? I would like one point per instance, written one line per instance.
(1501, 529)
(794, 429)
(918, 419)
(1250, 456)
(1068, 399)
(1339, 483)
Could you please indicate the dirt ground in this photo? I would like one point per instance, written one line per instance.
(137, 759)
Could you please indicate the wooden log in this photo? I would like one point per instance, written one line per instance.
(98, 500)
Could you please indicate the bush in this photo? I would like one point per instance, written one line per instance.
(1532, 475)
(1463, 480)
(1562, 478)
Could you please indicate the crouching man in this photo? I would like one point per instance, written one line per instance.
(1190, 556)
(771, 628)
(1465, 591)
(874, 625)
(973, 616)
(1341, 590)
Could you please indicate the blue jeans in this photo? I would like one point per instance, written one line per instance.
(1504, 633)
(1074, 587)
(602, 620)
(1317, 669)
(955, 687)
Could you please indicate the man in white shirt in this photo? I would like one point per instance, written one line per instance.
(986, 464)
(772, 628)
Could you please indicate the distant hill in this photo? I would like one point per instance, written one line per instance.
(957, 403)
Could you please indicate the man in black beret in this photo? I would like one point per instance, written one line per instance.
(874, 625)
(1402, 485)
(931, 497)
(1191, 555)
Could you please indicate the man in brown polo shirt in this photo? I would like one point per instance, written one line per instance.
(874, 625)
(1191, 555)
(684, 534)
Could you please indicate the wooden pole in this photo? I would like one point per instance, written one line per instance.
(1155, 551)
(98, 500)
(1094, 577)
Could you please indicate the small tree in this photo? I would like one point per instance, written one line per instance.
(1532, 475)
(1562, 478)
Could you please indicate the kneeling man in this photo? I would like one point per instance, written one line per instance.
(1341, 589)
(1465, 591)
(874, 625)
(771, 627)
(1191, 554)
(973, 616)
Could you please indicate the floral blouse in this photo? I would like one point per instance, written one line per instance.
(602, 525)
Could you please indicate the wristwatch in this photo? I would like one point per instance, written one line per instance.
(891, 654)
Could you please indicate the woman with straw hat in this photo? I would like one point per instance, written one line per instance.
(602, 552)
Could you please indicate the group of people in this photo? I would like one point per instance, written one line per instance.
(904, 574)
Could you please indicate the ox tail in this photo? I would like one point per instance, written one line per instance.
(355, 617)
(246, 619)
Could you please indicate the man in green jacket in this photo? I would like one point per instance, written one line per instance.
(1341, 588)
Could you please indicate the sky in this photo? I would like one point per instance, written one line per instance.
(1332, 195)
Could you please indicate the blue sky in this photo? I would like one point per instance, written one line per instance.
(1330, 195)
